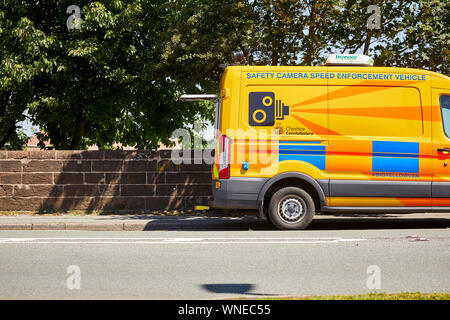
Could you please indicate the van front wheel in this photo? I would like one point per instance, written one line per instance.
(291, 209)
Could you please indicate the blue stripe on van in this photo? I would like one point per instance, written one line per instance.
(407, 165)
(393, 156)
(312, 152)
(301, 152)
(295, 142)
(318, 161)
(300, 147)
(395, 147)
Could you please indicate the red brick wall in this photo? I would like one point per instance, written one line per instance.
(100, 180)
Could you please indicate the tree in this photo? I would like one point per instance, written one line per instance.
(23, 59)
(100, 94)
(291, 32)
(109, 83)
(200, 35)
(413, 34)
(117, 78)
(426, 39)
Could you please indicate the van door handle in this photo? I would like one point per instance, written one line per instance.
(444, 150)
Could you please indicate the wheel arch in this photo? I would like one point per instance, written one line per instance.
(292, 179)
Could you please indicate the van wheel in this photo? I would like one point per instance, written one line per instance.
(291, 209)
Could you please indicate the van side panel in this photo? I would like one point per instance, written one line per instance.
(302, 140)
(364, 134)
(381, 156)
(274, 137)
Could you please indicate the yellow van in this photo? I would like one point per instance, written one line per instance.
(343, 137)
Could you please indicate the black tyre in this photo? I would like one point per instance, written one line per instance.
(291, 208)
(269, 220)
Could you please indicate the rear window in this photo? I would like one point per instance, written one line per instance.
(445, 109)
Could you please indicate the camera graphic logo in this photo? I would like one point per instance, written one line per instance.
(264, 109)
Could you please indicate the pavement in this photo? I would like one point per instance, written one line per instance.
(215, 221)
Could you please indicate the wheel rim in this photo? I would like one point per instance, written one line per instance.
(291, 209)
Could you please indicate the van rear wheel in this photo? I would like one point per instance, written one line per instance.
(291, 208)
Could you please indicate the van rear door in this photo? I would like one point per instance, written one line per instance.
(441, 148)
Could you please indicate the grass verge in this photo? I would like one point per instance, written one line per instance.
(373, 296)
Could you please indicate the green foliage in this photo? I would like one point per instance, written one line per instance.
(117, 79)
(427, 38)
(24, 57)
(105, 83)
(202, 34)
(291, 32)
(17, 141)
(109, 88)
(413, 34)
(374, 296)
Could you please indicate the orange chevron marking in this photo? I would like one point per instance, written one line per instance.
(350, 91)
(317, 129)
(405, 113)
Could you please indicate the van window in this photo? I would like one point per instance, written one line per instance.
(445, 108)
(373, 111)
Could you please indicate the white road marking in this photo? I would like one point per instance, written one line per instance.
(310, 240)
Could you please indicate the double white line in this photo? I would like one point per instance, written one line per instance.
(295, 240)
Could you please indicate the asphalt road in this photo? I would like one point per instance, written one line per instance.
(222, 264)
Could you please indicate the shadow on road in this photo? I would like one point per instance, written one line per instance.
(233, 288)
(246, 223)
(336, 223)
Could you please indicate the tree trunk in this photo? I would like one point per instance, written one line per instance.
(275, 57)
(367, 44)
(78, 131)
(7, 135)
(308, 59)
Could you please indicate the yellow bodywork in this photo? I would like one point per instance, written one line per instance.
(343, 123)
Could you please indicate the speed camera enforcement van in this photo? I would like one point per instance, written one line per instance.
(343, 137)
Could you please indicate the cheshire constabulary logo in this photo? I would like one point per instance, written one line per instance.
(264, 109)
